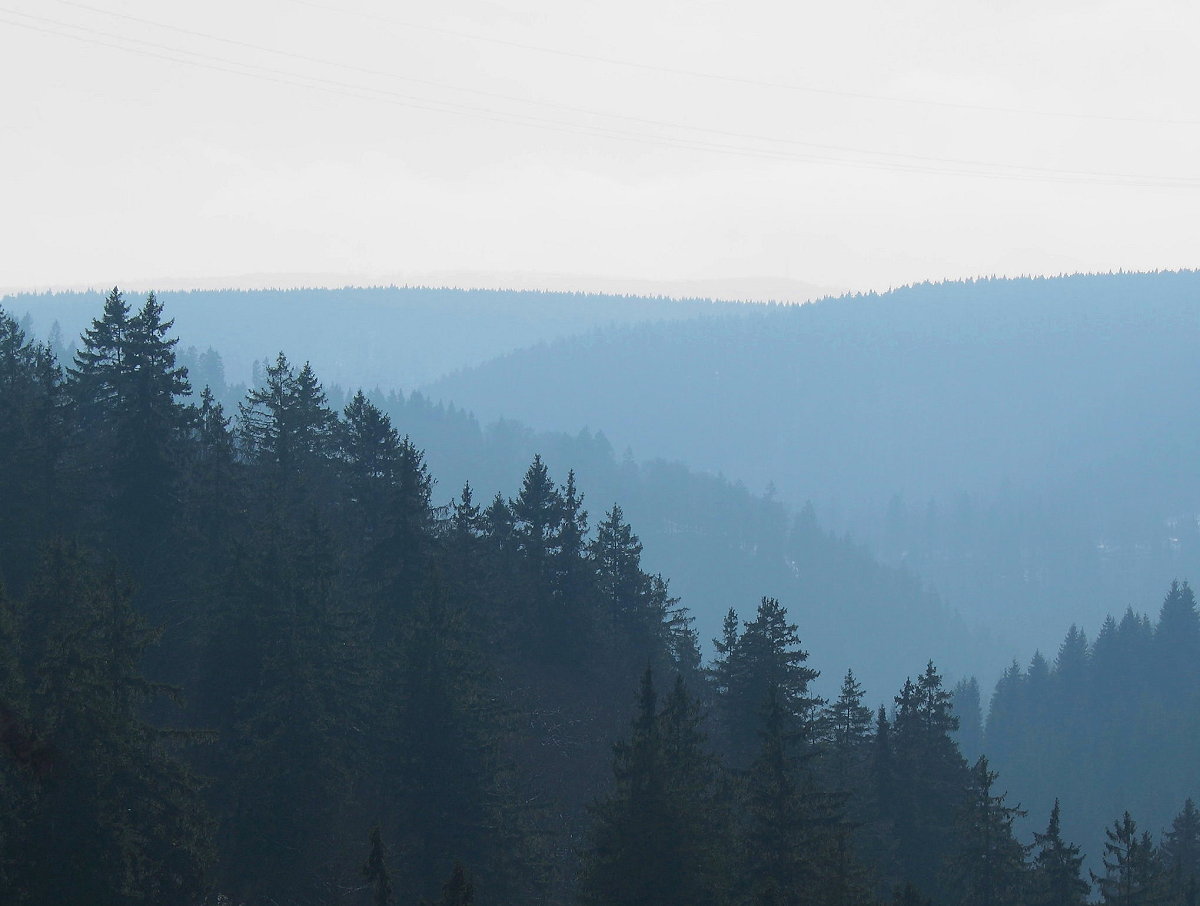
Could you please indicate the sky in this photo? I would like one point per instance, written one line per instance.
(751, 149)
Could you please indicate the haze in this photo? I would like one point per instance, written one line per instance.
(288, 142)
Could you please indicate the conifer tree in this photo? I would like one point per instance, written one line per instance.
(118, 801)
(100, 370)
(537, 514)
(128, 388)
(654, 839)
(570, 543)
(638, 604)
(781, 845)
(369, 445)
(848, 725)
(499, 523)
(287, 421)
(1132, 875)
(33, 447)
(1181, 852)
(988, 866)
(1177, 640)
(931, 779)
(767, 654)
(1056, 877)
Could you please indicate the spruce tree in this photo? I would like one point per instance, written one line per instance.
(931, 780)
(848, 724)
(766, 655)
(1181, 852)
(1056, 877)
(988, 865)
(1132, 874)
(119, 807)
(34, 432)
(128, 390)
(781, 847)
(658, 837)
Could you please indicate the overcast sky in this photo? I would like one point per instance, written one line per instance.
(859, 144)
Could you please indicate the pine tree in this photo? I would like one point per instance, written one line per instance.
(1056, 877)
(988, 866)
(128, 389)
(931, 780)
(781, 845)
(654, 839)
(1132, 875)
(296, 650)
(287, 421)
(637, 605)
(118, 801)
(100, 371)
(33, 448)
(767, 654)
(499, 523)
(369, 446)
(970, 718)
(722, 668)
(849, 731)
(570, 545)
(1181, 852)
(1177, 642)
(537, 514)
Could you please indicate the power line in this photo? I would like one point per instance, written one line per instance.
(661, 124)
(919, 165)
(751, 82)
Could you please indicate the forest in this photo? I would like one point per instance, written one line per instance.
(247, 658)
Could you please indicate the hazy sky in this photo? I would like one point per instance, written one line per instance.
(853, 144)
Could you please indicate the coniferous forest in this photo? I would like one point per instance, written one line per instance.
(246, 657)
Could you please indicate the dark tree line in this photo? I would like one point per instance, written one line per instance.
(247, 657)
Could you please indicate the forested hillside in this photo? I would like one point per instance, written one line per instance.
(245, 658)
(1024, 445)
(389, 337)
(717, 542)
(1125, 704)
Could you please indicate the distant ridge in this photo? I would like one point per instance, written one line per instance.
(391, 337)
(728, 289)
(1028, 445)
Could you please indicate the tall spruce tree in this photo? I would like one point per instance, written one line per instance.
(129, 391)
(654, 839)
(119, 819)
(1132, 873)
(1181, 854)
(987, 867)
(781, 850)
(931, 780)
(33, 447)
(767, 654)
(1056, 877)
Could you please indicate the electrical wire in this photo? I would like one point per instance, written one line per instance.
(661, 124)
(915, 164)
(750, 82)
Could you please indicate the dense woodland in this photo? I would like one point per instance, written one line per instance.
(1126, 705)
(1016, 443)
(716, 540)
(244, 658)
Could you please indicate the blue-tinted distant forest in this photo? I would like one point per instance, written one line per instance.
(1026, 446)
(386, 675)
(387, 337)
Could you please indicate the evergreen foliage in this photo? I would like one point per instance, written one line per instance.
(354, 655)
